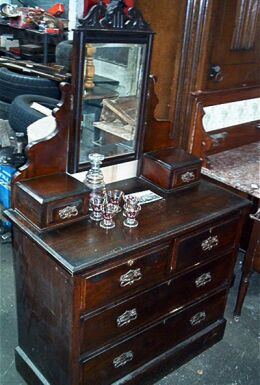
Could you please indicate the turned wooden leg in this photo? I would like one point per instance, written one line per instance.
(252, 252)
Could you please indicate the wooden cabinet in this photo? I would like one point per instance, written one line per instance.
(199, 46)
(109, 307)
(234, 47)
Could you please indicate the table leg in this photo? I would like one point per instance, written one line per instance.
(252, 252)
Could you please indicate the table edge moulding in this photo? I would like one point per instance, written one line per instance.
(123, 305)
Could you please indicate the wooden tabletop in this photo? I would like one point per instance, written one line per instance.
(84, 244)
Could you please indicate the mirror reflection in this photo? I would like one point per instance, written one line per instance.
(111, 97)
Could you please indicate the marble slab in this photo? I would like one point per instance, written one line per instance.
(238, 168)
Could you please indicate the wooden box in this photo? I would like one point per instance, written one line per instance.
(52, 201)
(171, 169)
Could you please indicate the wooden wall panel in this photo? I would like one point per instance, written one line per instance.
(166, 18)
(234, 44)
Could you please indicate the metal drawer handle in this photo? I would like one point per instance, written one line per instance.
(188, 176)
(127, 317)
(203, 279)
(123, 359)
(130, 277)
(197, 318)
(209, 243)
(68, 212)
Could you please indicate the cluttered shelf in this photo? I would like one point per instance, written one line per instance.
(29, 43)
(31, 33)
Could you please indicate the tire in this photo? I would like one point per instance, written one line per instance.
(14, 84)
(4, 108)
(21, 115)
(63, 53)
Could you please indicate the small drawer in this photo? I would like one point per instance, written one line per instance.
(186, 177)
(155, 303)
(138, 272)
(67, 210)
(141, 348)
(204, 243)
(52, 201)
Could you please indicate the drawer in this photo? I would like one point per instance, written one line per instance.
(125, 357)
(186, 177)
(138, 272)
(66, 210)
(201, 244)
(155, 303)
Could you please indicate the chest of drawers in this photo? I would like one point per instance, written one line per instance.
(99, 307)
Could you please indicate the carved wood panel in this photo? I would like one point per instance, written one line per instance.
(246, 18)
(234, 45)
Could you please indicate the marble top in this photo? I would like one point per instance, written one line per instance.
(238, 168)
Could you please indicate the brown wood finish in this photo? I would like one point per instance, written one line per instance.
(203, 35)
(251, 262)
(194, 247)
(157, 132)
(144, 347)
(46, 329)
(173, 294)
(166, 19)
(170, 169)
(52, 201)
(73, 280)
(143, 270)
(68, 284)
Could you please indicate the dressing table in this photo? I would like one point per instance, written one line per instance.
(126, 305)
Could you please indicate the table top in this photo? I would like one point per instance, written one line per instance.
(85, 245)
(238, 168)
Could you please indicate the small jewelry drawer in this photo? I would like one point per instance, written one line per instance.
(195, 247)
(141, 348)
(143, 308)
(52, 201)
(185, 177)
(140, 271)
(60, 212)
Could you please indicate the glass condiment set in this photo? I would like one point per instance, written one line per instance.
(105, 204)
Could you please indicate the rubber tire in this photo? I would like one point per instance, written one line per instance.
(13, 84)
(63, 54)
(4, 109)
(21, 115)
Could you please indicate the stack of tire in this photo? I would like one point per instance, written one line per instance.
(19, 91)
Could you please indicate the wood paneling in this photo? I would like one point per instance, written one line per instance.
(166, 19)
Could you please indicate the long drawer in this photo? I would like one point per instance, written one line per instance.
(98, 329)
(138, 272)
(204, 243)
(141, 348)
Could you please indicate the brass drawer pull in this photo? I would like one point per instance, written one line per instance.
(130, 277)
(68, 212)
(197, 318)
(127, 317)
(209, 243)
(188, 176)
(123, 359)
(203, 279)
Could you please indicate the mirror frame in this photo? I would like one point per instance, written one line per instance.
(107, 24)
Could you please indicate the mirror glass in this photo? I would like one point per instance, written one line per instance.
(113, 75)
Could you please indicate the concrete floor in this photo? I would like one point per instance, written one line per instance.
(233, 361)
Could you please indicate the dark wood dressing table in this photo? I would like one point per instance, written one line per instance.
(125, 305)
(103, 307)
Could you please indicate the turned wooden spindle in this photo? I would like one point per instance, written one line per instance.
(90, 67)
